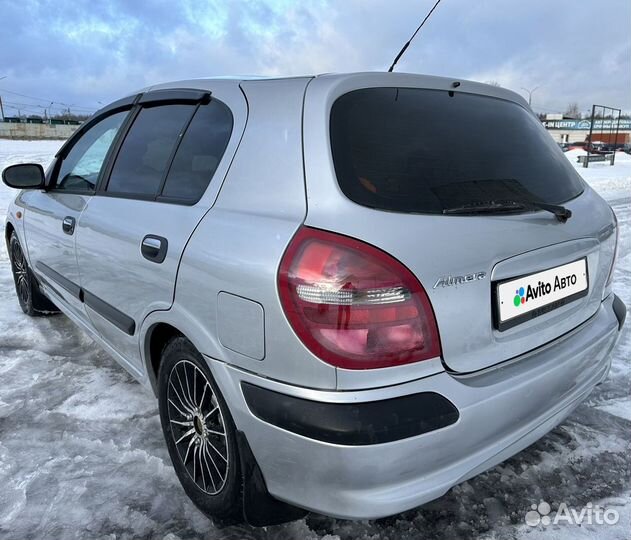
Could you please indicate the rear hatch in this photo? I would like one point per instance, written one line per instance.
(450, 180)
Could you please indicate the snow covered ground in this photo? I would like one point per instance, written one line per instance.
(82, 455)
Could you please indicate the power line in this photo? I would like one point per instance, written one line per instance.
(19, 106)
(24, 104)
(44, 100)
(32, 108)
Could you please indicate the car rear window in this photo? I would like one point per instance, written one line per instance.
(425, 151)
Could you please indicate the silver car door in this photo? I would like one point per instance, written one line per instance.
(51, 216)
(132, 235)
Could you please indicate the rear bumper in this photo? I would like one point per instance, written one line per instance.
(501, 411)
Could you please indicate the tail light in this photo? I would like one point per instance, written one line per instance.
(353, 305)
(615, 251)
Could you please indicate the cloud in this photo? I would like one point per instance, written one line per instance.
(83, 52)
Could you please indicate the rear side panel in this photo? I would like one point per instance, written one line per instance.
(434, 247)
(237, 247)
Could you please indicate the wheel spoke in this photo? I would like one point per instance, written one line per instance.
(187, 434)
(190, 405)
(195, 388)
(201, 403)
(211, 412)
(185, 415)
(201, 467)
(212, 460)
(200, 464)
(182, 402)
(195, 449)
(215, 449)
(210, 474)
(188, 449)
(188, 390)
(185, 424)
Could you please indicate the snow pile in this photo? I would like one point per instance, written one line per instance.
(611, 181)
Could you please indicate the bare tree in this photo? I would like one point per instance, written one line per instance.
(493, 83)
(573, 111)
(68, 115)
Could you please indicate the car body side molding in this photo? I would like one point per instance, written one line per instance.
(113, 315)
(63, 282)
(110, 313)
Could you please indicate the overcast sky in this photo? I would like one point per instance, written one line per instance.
(82, 52)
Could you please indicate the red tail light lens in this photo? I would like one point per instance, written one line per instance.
(353, 305)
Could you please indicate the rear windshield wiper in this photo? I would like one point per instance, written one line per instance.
(489, 207)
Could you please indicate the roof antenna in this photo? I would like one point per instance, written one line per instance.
(413, 36)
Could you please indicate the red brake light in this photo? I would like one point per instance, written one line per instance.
(353, 305)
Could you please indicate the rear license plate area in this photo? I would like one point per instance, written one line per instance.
(520, 299)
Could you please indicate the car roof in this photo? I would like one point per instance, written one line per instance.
(379, 78)
(204, 82)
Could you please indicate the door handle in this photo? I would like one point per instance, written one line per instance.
(154, 248)
(68, 225)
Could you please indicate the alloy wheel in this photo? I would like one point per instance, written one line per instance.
(197, 427)
(20, 272)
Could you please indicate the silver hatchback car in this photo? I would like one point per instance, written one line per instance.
(348, 292)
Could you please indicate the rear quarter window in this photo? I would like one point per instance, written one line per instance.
(423, 151)
(199, 153)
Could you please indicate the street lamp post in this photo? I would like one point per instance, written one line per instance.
(46, 111)
(1, 107)
(530, 93)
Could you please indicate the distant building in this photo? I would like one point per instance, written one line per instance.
(571, 130)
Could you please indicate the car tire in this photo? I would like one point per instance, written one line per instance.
(32, 301)
(199, 432)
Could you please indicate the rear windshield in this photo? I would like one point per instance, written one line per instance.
(424, 151)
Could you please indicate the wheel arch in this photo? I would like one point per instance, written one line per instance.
(158, 328)
(156, 338)
(9, 229)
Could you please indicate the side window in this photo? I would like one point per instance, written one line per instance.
(199, 153)
(80, 169)
(144, 155)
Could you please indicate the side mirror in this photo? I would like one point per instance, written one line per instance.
(24, 176)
